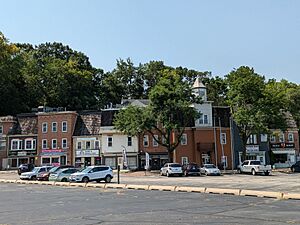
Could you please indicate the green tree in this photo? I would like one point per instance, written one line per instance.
(216, 90)
(167, 114)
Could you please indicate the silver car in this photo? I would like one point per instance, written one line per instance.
(62, 174)
(170, 169)
(93, 173)
(33, 174)
(210, 169)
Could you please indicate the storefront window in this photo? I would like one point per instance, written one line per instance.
(45, 161)
(97, 161)
(55, 161)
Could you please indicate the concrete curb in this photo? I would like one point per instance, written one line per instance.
(223, 191)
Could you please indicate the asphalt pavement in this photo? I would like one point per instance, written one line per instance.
(43, 205)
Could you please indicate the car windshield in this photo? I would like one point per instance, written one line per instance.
(255, 163)
(210, 166)
(86, 170)
(54, 169)
(175, 165)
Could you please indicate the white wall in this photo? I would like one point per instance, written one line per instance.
(205, 109)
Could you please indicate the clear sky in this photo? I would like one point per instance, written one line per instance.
(206, 35)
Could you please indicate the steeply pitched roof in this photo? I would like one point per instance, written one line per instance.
(88, 123)
(27, 124)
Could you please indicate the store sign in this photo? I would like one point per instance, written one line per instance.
(252, 148)
(87, 153)
(22, 153)
(283, 145)
(52, 152)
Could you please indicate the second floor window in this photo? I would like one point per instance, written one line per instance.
(97, 145)
(129, 141)
(64, 126)
(223, 138)
(64, 143)
(87, 145)
(205, 119)
(155, 143)
(15, 144)
(28, 144)
(146, 140)
(291, 137)
(54, 143)
(109, 141)
(281, 137)
(273, 138)
(54, 127)
(44, 127)
(183, 140)
(79, 145)
(44, 144)
(1, 129)
(252, 139)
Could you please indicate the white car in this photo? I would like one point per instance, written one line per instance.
(93, 173)
(210, 169)
(170, 169)
(33, 174)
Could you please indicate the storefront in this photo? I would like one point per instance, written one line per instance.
(284, 154)
(55, 157)
(113, 160)
(253, 153)
(16, 158)
(85, 158)
(156, 161)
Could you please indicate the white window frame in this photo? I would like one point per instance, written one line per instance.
(184, 160)
(129, 141)
(155, 143)
(52, 127)
(263, 138)
(97, 144)
(272, 138)
(146, 140)
(31, 144)
(223, 138)
(252, 139)
(183, 140)
(64, 128)
(44, 144)
(79, 145)
(52, 143)
(290, 139)
(109, 141)
(44, 127)
(86, 147)
(1, 129)
(205, 119)
(12, 144)
(64, 145)
(281, 137)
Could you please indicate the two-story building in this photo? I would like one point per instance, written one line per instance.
(55, 130)
(86, 139)
(22, 141)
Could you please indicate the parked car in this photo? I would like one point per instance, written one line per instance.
(191, 169)
(254, 167)
(295, 167)
(33, 174)
(170, 169)
(45, 175)
(25, 168)
(93, 173)
(62, 174)
(210, 169)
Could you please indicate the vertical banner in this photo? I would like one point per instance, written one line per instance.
(125, 165)
(147, 161)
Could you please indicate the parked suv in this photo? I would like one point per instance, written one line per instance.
(170, 169)
(93, 173)
(33, 174)
(62, 174)
(45, 175)
(295, 167)
(191, 169)
(25, 168)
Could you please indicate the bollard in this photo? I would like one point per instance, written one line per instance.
(118, 174)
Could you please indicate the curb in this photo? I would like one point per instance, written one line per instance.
(222, 191)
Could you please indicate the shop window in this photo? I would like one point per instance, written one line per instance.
(44, 127)
(132, 162)
(54, 126)
(184, 160)
(46, 161)
(155, 138)
(223, 138)
(44, 144)
(183, 139)
(64, 126)
(110, 162)
(146, 140)
(55, 160)
(87, 145)
(129, 141)
(79, 145)
(54, 143)
(109, 141)
(281, 137)
(14, 163)
(291, 137)
(64, 143)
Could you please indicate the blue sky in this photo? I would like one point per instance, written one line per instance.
(211, 35)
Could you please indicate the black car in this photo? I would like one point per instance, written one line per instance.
(191, 169)
(296, 167)
(25, 168)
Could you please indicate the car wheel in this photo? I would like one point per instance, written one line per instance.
(253, 172)
(206, 173)
(108, 179)
(33, 178)
(85, 180)
(167, 174)
(64, 180)
(267, 173)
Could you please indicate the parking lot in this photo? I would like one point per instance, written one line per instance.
(277, 181)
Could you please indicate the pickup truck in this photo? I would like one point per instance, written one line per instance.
(254, 167)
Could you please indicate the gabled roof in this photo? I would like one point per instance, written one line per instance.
(135, 102)
(27, 124)
(88, 123)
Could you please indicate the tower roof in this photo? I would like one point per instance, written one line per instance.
(198, 83)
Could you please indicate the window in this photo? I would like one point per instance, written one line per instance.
(64, 143)
(281, 137)
(34, 144)
(109, 141)
(290, 137)
(129, 141)
(205, 119)
(79, 145)
(64, 126)
(44, 144)
(146, 140)
(201, 120)
(44, 127)
(54, 127)
(97, 145)
(223, 138)
(155, 143)
(28, 144)
(252, 139)
(45, 161)
(14, 144)
(183, 140)
(273, 138)
(263, 137)
(87, 145)
(1, 129)
(184, 160)
(54, 143)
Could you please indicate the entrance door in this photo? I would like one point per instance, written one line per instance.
(63, 160)
(87, 161)
(205, 159)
